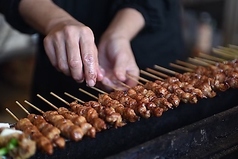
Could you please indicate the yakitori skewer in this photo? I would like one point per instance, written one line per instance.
(153, 102)
(130, 100)
(16, 145)
(25, 125)
(105, 111)
(185, 86)
(90, 114)
(149, 99)
(184, 91)
(67, 127)
(80, 121)
(47, 129)
(127, 113)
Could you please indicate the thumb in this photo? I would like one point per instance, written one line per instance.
(120, 70)
(132, 77)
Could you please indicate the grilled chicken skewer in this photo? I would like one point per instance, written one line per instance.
(67, 127)
(106, 112)
(47, 129)
(80, 121)
(30, 130)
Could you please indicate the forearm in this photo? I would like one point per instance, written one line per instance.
(126, 24)
(43, 14)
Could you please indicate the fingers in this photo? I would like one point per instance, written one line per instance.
(73, 55)
(50, 51)
(100, 73)
(55, 50)
(89, 56)
(132, 78)
(109, 85)
(72, 51)
(121, 71)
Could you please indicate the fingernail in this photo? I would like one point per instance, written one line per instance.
(91, 83)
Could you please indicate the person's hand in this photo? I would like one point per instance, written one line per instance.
(117, 60)
(71, 49)
(115, 52)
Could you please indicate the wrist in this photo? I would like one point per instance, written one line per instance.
(126, 24)
(113, 35)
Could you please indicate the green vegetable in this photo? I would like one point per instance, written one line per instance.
(3, 151)
(10, 146)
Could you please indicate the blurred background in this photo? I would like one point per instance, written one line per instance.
(206, 24)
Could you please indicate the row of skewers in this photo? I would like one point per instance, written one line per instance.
(204, 76)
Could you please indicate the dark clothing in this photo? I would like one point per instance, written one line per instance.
(160, 42)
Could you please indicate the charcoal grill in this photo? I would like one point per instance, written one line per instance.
(203, 130)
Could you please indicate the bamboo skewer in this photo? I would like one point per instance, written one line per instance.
(91, 95)
(229, 50)
(42, 98)
(165, 70)
(157, 73)
(151, 75)
(23, 108)
(33, 106)
(198, 62)
(73, 97)
(223, 54)
(52, 105)
(13, 115)
(64, 100)
(99, 90)
(143, 79)
(112, 87)
(189, 65)
(181, 67)
(206, 60)
(61, 99)
(123, 84)
(134, 79)
(233, 46)
(209, 57)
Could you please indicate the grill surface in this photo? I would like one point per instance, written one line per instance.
(216, 136)
(213, 137)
